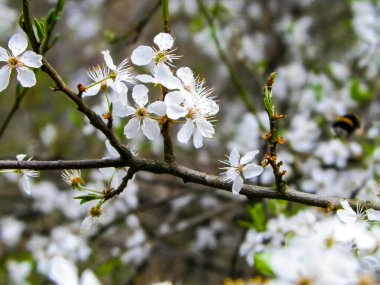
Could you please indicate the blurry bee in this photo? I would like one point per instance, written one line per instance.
(346, 125)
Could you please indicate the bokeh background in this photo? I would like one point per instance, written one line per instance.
(326, 55)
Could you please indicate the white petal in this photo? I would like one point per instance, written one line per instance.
(3, 54)
(18, 43)
(142, 55)
(25, 184)
(150, 129)
(123, 95)
(214, 108)
(132, 128)
(346, 205)
(186, 75)
(116, 85)
(31, 59)
(145, 78)
(248, 157)
(118, 109)
(20, 157)
(252, 170)
(5, 73)
(89, 278)
(205, 127)
(373, 215)
(345, 216)
(165, 77)
(234, 158)
(111, 149)
(158, 108)
(108, 60)
(63, 271)
(237, 185)
(91, 91)
(174, 97)
(164, 41)
(130, 110)
(26, 76)
(197, 139)
(185, 132)
(140, 95)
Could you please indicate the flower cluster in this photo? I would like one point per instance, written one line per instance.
(185, 98)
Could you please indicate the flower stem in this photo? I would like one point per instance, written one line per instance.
(165, 15)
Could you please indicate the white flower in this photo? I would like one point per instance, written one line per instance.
(73, 178)
(192, 102)
(20, 60)
(239, 167)
(109, 75)
(348, 215)
(144, 55)
(25, 174)
(141, 117)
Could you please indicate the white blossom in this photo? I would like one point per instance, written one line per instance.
(238, 167)
(144, 55)
(19, 59)
(142, 114)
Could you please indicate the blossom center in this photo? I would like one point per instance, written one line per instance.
(239, 168)
(141, 113)
(191, 114)
(95, 212)
(161, 56)
(304, 281)
(14, 62)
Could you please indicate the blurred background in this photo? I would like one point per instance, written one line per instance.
(326, 55)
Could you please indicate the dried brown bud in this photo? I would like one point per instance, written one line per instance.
(81, 88)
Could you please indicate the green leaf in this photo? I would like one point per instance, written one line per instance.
(197, 24)
(257, 215)
(40, 29)
(59, 6)
(358, 93)
(262, 261)
(87, 198)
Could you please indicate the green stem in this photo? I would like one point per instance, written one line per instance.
(165, 15)
(28, 26)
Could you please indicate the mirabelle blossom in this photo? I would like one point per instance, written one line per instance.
(142, 114)
(19, 59)
(109, 75)
(144, 55)
(348, 215)
(238, 167)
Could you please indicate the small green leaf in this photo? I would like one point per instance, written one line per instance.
(59, 6)
(257, 215)
(358, 93)
(87, 198)
(197, 24)
(262, 264)
(40, 29)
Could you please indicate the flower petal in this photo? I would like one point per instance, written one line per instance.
(150, 129)
(165, 77)
(373, 215)
(108, 60)
(132, 128)
(20, 157)
(26, 76)
(89, 278)
(248, 157)
(197, 139)
(3, 54)
(186, 75)
(31, 59)
(164, 41)
(174, 97)
(237, 185)
(91, 91)
(158, 108)
(18, 44)
(205, 127)
(118, 110)
(130, 110)
(186, 131)
(140, 95)
(25, 184)
(111, 149)
(145, 78)
(5, 73)
(252, 170)
(234, 158)
(142, 55)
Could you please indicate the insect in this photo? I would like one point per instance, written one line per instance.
(345, 125)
